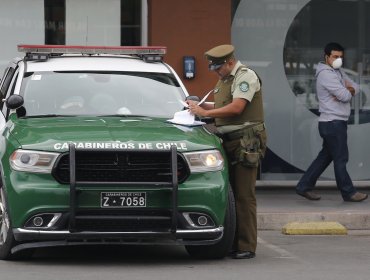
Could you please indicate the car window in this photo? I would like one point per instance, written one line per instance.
(9, 90)
(101, 93)
(8, 75)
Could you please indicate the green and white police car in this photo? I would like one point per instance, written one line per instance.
(88, 156)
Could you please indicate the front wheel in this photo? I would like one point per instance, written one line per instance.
(6, 235)
(222, 248)
(7, 241)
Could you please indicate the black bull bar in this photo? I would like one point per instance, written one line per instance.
(172, 186)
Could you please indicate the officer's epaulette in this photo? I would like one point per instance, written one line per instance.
(245, 68)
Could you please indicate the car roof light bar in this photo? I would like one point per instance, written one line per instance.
(121, 50)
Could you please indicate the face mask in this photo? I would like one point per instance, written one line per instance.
(337, 63)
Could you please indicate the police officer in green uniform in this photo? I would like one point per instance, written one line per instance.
(239, 118)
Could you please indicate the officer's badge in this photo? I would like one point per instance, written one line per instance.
(244, 86)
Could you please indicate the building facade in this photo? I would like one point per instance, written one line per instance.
(282, 40)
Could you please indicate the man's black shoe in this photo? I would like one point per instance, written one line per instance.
(244, 255)
(310, 195)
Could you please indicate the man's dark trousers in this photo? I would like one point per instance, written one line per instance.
(334, 148)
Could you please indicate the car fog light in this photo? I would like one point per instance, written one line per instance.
(43, 220)
(198, 220)
(38, 221)
(202, 220)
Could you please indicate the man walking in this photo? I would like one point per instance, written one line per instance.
(334, 90)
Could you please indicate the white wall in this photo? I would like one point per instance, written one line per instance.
(93, 22)
(21, 22)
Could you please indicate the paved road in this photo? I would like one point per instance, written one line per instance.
(278, 257)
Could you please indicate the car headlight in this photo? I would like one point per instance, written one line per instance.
(33, 161)
(203, 161)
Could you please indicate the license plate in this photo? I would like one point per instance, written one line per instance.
(122, 199)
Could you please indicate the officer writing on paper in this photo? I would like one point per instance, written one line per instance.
(238, 113)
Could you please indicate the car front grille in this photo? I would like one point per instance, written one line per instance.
(115, 221)
(120, 166)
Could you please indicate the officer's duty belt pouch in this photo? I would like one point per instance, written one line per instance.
(250, 152)
(250, 159)
(251, 144)
(251, 147)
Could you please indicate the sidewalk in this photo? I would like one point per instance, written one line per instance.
(277, 206)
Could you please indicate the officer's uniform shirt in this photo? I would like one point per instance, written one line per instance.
(245, 85)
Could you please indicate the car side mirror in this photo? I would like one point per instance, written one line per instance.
(14, 101)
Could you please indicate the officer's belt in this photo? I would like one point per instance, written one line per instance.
(249, 131)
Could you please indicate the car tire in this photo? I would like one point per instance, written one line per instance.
(7, 241)
(223, 247)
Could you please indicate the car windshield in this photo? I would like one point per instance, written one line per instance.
(101, 93)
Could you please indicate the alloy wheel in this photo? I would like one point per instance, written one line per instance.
(4, 220)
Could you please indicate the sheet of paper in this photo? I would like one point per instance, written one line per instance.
(186, 105)
(185, 118)
(205, 97)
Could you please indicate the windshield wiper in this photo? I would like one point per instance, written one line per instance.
(124, 115)
(48, 116)
(97, 116)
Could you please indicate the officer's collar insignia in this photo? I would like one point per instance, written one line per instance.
(244, 86)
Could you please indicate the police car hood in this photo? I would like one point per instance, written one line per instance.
(55, 134)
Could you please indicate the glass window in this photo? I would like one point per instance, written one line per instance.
(101, 93)
(11, 79)
(55, 22)
(283, 42)
(130, 23)
(55, 16)
(8, 75)
(310, 30)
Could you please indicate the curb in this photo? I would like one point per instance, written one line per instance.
(314, 228)
(291, 184)
(352, 220)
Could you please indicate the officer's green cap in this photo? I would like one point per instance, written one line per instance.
(218, 56)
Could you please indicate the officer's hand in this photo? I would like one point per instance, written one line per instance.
(191, 102)
(197, 110)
